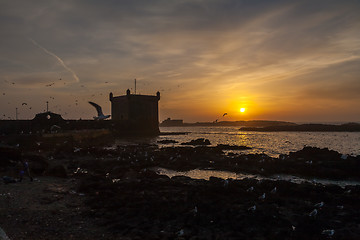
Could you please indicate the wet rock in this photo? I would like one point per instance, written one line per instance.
(182, 179)
(57, 171)
(196, 142)
(8, 155)
(232, 147)
(37, 163)
(317, 154)
(167, 141)
(8, 180)
(131, 175)
(50, 199)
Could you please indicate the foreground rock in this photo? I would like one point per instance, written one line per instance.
(157, 207)
(110, 192)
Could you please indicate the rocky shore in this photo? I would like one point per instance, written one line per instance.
(96, 190)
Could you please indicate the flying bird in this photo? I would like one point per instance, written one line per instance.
(224, 114)
(100, 115)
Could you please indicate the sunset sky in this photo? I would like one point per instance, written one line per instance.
(279, 60)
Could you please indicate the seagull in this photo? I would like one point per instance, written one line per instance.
(100, 115)
(253, 208)
(195, 211)
(313, 213)
(319, 205)
(55, 128)
(77, 149)
(250, 189)
(224, 114)
(262, 197)
(329, 232)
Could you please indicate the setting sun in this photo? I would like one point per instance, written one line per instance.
(242, 110)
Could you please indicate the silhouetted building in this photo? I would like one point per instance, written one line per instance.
(171, 122)
(141, 112)
(47, 118)
(132, 114)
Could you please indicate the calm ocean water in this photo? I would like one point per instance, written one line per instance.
(270, 143)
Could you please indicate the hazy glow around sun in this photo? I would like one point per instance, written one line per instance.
(242, 110)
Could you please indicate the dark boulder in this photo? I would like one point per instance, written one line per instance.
(57, 171)
(196, 142)
(37, 163)
(8, 154)
(231, 147)
(167, 141)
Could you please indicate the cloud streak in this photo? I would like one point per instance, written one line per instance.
(58, 59)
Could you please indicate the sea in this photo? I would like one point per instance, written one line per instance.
(271, 143)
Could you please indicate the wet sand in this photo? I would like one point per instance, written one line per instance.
(85, 189)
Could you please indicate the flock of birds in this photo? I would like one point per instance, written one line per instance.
(312, 214)
(25, 105)
(218, 118)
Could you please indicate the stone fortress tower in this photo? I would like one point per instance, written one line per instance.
(140, 111)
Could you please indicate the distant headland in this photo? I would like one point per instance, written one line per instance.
(268, 126)
(347, 127)
(252, 123)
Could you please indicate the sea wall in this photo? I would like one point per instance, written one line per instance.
(116, 127)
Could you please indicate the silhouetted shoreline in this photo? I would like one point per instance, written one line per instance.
(250, 123)
(270, 126)
(348, 127)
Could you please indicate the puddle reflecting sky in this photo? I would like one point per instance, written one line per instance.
(206, 174)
